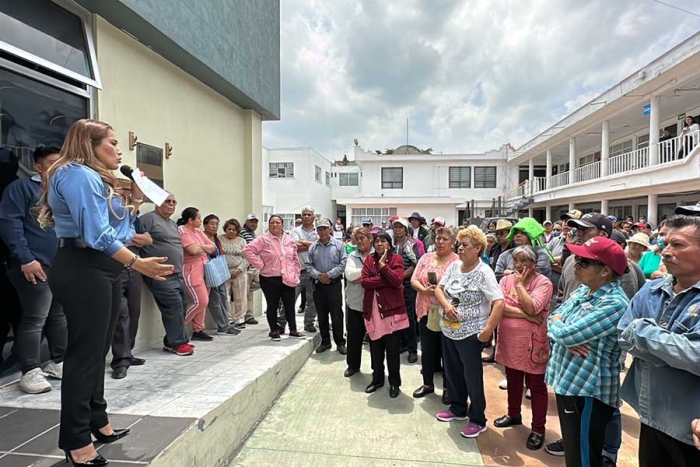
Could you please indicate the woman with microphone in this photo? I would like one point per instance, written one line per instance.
(93, 222)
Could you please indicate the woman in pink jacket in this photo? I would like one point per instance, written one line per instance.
(274, 253)
(197, 246)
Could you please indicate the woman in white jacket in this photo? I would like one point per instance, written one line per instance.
(354, 294)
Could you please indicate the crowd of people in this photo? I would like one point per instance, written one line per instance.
(563, 304)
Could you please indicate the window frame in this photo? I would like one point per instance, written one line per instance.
(459, 182)
(287, 176)
(482, 183)
(87, 30)
(317, 173)
(328, 178)
(348, 176)
(391, 184)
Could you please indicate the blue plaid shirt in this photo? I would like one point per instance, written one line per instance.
(588, 319)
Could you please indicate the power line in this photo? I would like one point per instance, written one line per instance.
(676, 8)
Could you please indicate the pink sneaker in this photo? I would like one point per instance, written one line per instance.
(472, 430)
(448, 416)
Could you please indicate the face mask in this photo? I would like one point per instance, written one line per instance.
(660, 243)
(556, 233)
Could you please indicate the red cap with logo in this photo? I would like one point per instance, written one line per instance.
(604, 250)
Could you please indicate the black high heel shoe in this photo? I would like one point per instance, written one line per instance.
(95, 461)
(106, 439)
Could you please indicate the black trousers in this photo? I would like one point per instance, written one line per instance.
(41, 314)
(388, 346)
(581, 419)
(87, 283)
(356, 335)
(170, 296)
(10, 311)
(465, 378)
(431, 353)
(659, 449)
(409, 336)
(275, 291)
(328, 299)
(128, 319)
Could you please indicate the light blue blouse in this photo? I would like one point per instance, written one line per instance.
(79, 200)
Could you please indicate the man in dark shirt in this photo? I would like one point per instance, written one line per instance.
(32, 251)
(170, 293)
(248, 234)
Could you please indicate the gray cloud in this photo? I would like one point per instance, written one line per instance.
(470, 76)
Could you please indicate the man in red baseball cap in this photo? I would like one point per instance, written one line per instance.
(584, 369)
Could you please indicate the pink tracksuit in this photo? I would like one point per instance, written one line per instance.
(193, 272)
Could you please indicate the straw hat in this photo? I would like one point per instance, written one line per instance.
(641, 239)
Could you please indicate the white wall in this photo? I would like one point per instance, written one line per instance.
(341, 192)
(290, 195)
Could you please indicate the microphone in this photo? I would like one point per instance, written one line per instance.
(127, 172)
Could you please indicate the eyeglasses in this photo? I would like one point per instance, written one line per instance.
(585, 262)
(170, 201)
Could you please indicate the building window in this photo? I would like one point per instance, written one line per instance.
(643, 142)
(281, 169)
(149, 159)
(348, 179)
(50, 36)
(318, 173)
(328, 179)
(460, 177)
(589, 159)
(33, 114)
(484, 177)
(288, 221)
(378, 215)
(392, 177)
(621, 148)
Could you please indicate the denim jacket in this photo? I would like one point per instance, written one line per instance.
(662, 332)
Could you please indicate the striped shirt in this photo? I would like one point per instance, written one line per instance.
(329, 258)
(247, 235)
(588, 319)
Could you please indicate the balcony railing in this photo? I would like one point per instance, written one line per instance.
(668, 151)
(558, 180)
(587, 172)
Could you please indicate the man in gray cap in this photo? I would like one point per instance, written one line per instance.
(248, 234)
(325, 264)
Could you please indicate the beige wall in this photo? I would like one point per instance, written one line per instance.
(217, 146)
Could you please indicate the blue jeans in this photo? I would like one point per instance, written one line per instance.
(613, 435)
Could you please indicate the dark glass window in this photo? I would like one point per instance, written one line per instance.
(149, 159)
(47, 31)
(34, 113)
(460, 177)
(484, 177)
(392, 177)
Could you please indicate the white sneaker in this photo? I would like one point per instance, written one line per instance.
(54, 370)
(528, 394)
(34, 382)
(503, 384)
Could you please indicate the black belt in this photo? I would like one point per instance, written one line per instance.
(72, 242)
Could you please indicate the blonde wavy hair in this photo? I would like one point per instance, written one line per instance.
(79, 148)
(473, 235)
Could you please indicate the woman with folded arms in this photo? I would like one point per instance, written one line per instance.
(232, 246)
(197, 246)
(431, 266)
(80, 200)
(218, 299)
(274, 253)
(523, 347)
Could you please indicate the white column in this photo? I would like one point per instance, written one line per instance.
(572, 159)
(572, 206)
(549, 169)
(605, 149)
(548, 213)
(604, 206)
(530, 175)
(654, 123)
(653, 208)
(530, 212)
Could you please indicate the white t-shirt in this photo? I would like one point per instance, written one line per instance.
(471, 294)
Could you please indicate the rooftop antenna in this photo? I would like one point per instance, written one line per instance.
(406, 132)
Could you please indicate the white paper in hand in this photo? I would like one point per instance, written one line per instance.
(150, 189)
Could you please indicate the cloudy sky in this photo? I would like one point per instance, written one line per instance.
(469, 75)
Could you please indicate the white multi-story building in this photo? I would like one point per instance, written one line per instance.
(610, 155)
(407, 179)
(294, 178)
